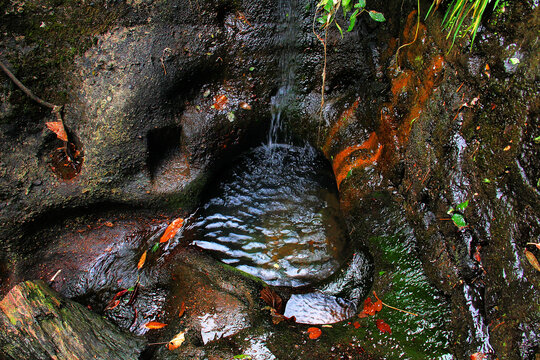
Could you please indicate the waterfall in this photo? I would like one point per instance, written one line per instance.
(289, 29)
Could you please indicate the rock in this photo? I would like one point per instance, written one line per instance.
(38, 323)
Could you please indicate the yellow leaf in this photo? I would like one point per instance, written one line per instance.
(142, 260)
(177, 340)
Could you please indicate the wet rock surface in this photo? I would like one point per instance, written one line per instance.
(38, 323)
(157, 94)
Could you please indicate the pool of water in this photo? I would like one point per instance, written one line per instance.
(275, 214)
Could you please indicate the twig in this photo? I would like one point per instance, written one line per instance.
(26, 90)
(415, 36)
(55, 109)
(395, 308)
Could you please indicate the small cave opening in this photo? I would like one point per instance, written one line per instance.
(162, 144)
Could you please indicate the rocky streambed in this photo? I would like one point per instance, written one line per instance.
(434, 153)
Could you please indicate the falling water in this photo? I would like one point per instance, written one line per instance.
(275, 213)
(289, 29)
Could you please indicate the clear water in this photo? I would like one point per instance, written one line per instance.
(275, 215)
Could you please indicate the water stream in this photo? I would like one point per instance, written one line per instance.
(275, 213)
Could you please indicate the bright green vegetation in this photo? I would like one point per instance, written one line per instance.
(456, 14)
(329, 8)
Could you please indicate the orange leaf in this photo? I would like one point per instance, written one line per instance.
(532, 259)
(356, 324)
(114, 303)
(142, 260)
(176, 341)
(383, 327)
(219, 102)
(154, 325)
(58, 128)
(182, 309)
(314, 332)
(171, 230)
(478, 356)
(244, 105)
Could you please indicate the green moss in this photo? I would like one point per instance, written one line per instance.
(49, 35)
(243, 273)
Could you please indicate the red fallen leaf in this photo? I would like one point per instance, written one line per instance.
(478, 356)
(377, 305)
(115, 300)
(369, 307)
(58, 128)
(142, 260)
(171, 230)
(112, 304)
(383, 327)
(477, 255)
(154, 325)
(182, 309)
(109, 224)
(314, 332)
(356, 324)
(362, 314)
(272, 299)
(220, 101)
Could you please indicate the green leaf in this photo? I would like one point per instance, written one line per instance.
(242, 356)
(377, 16)
(514, 61)
(348, 174)
(459, 221)
(487, 181)
(155, 247)
(360, 4)
(352, 20)
(340, 30)
(322, 19)
(537, 139)
(251, 68)
(382, 272)
(345, 3)
(463, 205)
(328, 6)
(131, 289)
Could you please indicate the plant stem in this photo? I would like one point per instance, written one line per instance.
(395, 308)
(26, 90)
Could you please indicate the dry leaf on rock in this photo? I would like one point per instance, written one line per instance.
(154, 325)
(142, 260)
(177, 340)
(171, 230)
(58, 128)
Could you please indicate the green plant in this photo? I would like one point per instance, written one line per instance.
(327, 10)
(326, 16)
(457, 12)
(457, 217)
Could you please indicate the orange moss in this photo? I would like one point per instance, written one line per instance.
(341, 164)
(342, 174)
(339, 124)
(401, 82)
